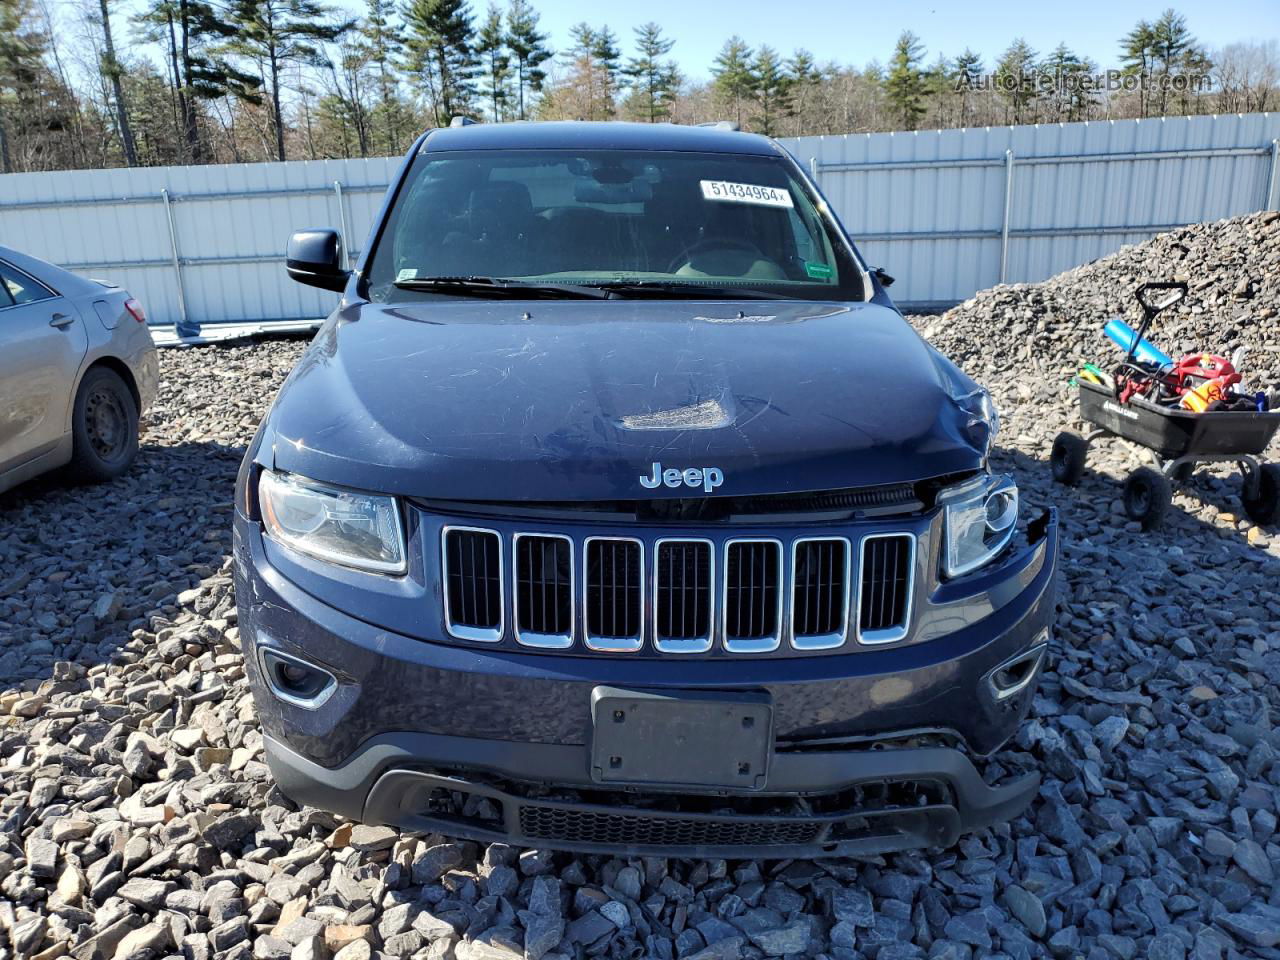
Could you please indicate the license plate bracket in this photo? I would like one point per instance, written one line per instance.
(700, 739)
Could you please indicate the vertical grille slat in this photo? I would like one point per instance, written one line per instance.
(753, 596)
(884, 587)
(544, 590)
(820, 593)
(473, 583)
(613, 594)
(682, 603)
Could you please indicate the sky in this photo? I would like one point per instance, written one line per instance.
(857, 33)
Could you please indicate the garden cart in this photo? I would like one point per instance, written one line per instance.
(1177, 439)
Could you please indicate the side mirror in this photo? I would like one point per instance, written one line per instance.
(314, 257)
(883, 278)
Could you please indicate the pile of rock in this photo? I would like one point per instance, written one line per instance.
(1021, 335)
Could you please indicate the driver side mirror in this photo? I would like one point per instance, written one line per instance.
(881, 277)
(314, 257)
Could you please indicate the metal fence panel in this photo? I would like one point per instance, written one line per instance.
(947, 212)
(929, 206)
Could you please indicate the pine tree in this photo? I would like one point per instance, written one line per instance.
(21, 49)
(773, 91)
(734, 74)
(380, 42)
(1172, 46)
(529, 48)
(1015, 79)
(590, 89)
(279, 33)
(188, 31)
(495, 60)
(608, 55)
(966, 70)
(939, 81)
(1071, 100)
(804, 78)
(904, 86)
(440, 50)
(653, 80)
(112, 72)
(1138, 54)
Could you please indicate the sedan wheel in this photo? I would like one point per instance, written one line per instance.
(104, 426)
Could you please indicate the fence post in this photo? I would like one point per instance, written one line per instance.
(183, 328)
(1271, 177)
(814, 166)
(342, 225)
(1008, 203)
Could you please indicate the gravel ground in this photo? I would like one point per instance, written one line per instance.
(137, 819)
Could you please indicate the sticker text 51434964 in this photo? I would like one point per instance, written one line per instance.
(746, 193)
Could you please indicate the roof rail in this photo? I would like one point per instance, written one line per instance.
(721, 125)
(461, 122)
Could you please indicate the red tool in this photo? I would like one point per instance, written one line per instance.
(1197, 369)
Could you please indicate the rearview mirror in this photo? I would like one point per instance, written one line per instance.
(314, 257)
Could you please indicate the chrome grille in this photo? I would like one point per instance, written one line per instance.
(884, 587)
(613, 591)
(819, 593)
(472, 559)
(683, 579)
(752, 595)
(605, 592)
(543, 590)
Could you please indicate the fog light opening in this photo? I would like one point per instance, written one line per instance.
(1016, 674)
(297, 682)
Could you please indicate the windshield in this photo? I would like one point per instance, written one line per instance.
(635, 219)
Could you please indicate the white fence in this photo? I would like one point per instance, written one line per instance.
(947, 212)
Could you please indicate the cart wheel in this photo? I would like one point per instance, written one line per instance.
(1183, 473)
(1147, 495)
(1067, 458)
(1265, 507)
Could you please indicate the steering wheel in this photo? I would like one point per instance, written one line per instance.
(686, 255)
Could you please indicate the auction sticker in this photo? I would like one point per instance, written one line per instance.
(746, 193)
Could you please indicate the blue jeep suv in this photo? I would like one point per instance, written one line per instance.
(617, 509)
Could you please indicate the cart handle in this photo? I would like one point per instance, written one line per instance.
(1179, 293)
(1149, 309)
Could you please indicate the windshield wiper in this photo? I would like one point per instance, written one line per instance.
(500, 287)
(684, 290)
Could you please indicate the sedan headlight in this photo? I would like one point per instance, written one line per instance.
(980, 516)
(354, 529)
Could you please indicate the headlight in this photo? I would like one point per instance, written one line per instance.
(983, 421)
(980, 516)
(354, 529)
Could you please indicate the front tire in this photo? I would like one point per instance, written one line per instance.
(1067, 459)
(1264, 509)
(1147, 495)
(104, 427)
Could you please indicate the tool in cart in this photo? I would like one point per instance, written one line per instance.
(1199, 382)
(1152, 402)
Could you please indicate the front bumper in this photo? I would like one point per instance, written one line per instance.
(484, 790)
(495, 745)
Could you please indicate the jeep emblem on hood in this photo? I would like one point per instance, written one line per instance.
(708, 478)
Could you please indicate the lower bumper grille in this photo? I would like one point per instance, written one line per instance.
(568, 825)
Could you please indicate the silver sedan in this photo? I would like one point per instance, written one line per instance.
(77, 370)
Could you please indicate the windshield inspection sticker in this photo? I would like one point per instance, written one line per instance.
(746, 193)
(818, 271)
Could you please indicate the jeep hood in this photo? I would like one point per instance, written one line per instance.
(576, 400)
